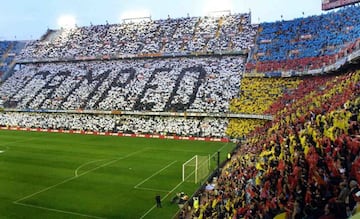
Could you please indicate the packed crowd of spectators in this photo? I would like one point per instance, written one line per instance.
(169, 36)
(173, 84)
(197, 127)
(240, 128)
(305, 161)
(304, 164)
(58, 121)
(160, 125)
(257, 96)
(305, 43)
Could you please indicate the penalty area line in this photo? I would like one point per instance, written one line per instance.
(79, 175)
(154, 206)
(157, 172)
(151, 189)
(57, 210)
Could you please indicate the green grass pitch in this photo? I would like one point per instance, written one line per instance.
(56, 175)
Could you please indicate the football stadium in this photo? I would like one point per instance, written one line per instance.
(214, 116)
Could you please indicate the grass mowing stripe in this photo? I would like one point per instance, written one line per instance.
(74, 177)
(6, 145)
(58, 210)
(157, 172)
(108, 192)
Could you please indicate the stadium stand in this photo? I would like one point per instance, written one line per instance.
(122, 77)
(296, 164)
(193, 84)
(167, 126)
(305, 43)
(257, 96)
(228, 33)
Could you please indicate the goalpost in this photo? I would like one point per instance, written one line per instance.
(196, 168)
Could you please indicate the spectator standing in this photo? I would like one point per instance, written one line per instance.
(354, 189)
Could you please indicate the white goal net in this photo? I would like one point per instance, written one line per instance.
(196, 169)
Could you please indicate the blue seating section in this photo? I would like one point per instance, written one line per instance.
(314, 36)
(4, 46)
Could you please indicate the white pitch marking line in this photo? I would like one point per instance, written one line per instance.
(226, 144)
(45, 189)
(12, 142)
(154, 206)
(6, 144)
(58, 210)
(151, 189)
(74, 177)
(172, 150)
(220, 149)
(84, 164)
(159, 171)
